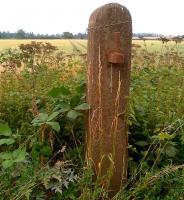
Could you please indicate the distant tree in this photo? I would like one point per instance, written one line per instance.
(21, 34)
(67, 35)
(80, 36)
(30, 35)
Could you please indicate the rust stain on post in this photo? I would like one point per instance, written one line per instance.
(116, 55)
(109, 60)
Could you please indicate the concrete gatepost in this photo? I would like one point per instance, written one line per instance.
(109, 61)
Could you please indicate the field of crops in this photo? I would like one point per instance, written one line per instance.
(65, 45)
(42, 123)
(70, 45)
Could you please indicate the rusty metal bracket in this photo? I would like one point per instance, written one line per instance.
(116, 55)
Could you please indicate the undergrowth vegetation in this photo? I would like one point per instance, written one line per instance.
(42, 121)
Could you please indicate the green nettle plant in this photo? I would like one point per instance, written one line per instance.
(7, 140)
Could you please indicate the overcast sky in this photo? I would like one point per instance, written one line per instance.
(56, 16)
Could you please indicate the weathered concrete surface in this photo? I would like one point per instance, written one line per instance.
(107, 93)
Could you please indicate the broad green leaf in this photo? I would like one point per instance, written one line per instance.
(19, 155)
(165, 136)
(5, 129)
(170, 151)
(63, 110)
(16, 152)
(141, 143)
(41, 118)
(7, 163)
(72, 114)
(83, 106)
(62, 107)
(75, 100)
(54, 125)
(53, 115)
(5, 155)
(7, 141)
(55, 92)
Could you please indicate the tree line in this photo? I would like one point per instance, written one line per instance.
(147, 35)
(21, 34)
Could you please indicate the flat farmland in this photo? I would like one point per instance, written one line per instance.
(65, 45)
(158, 46)
(70, 45)
(76, 44)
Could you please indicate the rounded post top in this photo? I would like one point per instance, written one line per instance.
(114, 13)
